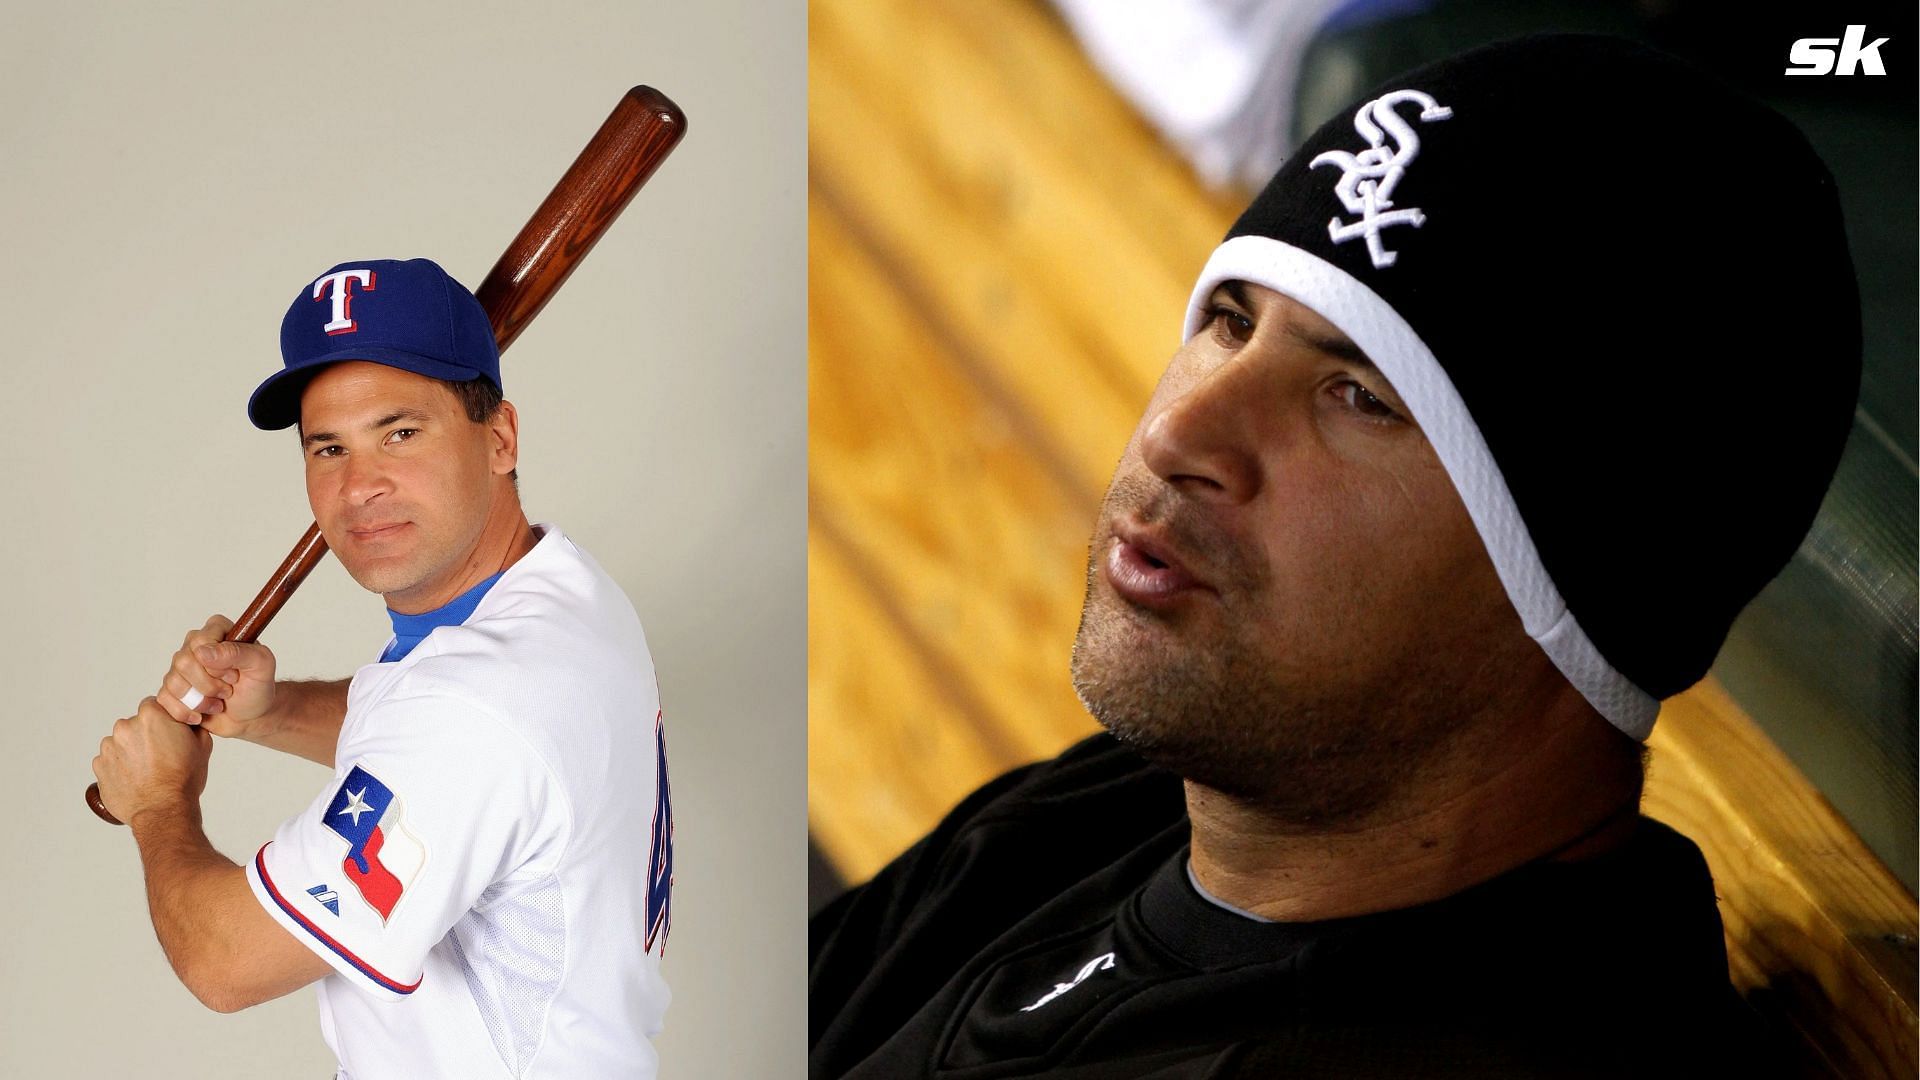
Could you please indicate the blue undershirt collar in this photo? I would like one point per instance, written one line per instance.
(411, 630)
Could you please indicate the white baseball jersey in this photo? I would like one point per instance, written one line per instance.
(489, 870)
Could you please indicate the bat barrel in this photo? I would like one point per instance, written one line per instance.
(639, 134)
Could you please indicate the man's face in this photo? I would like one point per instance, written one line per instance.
(1286, 600)
(400, 481)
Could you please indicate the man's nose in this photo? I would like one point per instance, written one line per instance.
(1203, 437)
(364, 479)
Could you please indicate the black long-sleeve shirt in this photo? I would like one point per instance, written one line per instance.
(1048, 927)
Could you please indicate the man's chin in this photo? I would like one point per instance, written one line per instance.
(1265, 749)
(1290, 784)
(385, 580)
(1162, 700)
(1141, 696)
(1196, 761)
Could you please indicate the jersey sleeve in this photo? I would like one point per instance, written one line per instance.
(433, 800)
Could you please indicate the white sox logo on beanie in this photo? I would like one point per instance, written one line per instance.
(340, 285)
(1627, 524)
(1368, 178)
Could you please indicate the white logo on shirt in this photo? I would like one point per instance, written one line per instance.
(1103, 962)
(1368, 178)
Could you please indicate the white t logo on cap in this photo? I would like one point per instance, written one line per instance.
(340, 283)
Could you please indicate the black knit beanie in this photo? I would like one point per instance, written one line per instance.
(1616, 296)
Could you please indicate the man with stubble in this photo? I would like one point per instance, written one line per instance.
(1477, 441)
(1287, 606)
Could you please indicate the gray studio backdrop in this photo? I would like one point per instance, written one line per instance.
(170, 175)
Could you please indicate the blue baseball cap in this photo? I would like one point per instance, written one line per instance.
(407, 314)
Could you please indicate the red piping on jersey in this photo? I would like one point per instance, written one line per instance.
(260, 865)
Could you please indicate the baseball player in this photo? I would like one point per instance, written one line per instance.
(481, 889)
(1494, 408)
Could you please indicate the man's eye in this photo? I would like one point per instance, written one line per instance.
(327, 451)
(1230, 326)
(403, 434)
(1363, 401)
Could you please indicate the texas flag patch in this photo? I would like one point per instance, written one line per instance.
(382, 857)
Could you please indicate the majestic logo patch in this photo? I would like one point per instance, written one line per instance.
(1103, 962)
(1368, 178)
(327, 897)
(341, 284)
(382, 857)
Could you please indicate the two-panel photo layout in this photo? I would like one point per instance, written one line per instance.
(961, 540)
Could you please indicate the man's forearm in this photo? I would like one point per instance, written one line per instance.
(222, 944)
(188, 886)
(305, 720)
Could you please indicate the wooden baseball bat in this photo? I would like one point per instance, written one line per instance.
(642, 130)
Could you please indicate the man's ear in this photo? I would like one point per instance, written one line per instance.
(503, 434)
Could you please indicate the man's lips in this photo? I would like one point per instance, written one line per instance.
(1144, 569)
(367, 533)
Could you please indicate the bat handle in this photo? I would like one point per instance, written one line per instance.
(99, 808)
(272, 597)
(192, 699)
